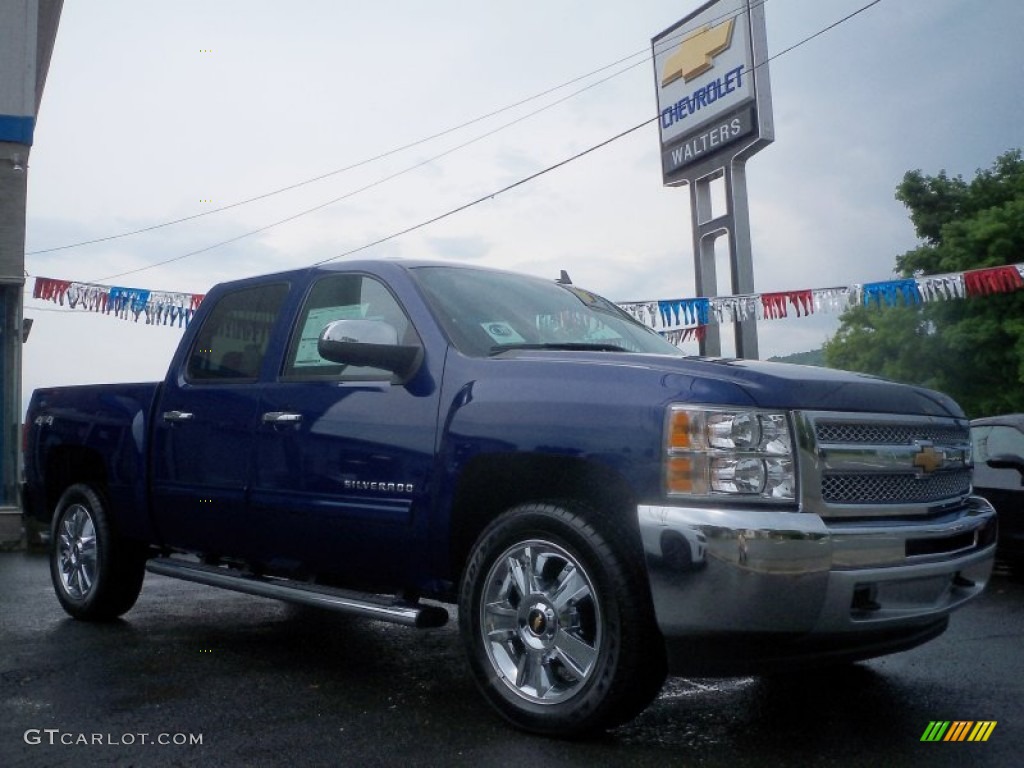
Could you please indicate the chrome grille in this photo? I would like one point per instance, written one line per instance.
(893, 489)
(878, 465)
(888, 434)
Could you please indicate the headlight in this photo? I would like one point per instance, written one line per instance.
(717, 451)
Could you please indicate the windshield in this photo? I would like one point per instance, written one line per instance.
(485, 313)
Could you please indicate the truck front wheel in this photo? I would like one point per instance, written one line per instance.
(96, 576)
(557, 622)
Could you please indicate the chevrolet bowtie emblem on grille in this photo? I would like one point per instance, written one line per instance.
(696, 54)
(928, 459)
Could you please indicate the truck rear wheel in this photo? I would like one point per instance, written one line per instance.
(96, 576)
(558, 624)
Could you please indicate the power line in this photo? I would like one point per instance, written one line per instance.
(376, 183)
(492, 195)
(820, 32)
(422, 163)
(396, 150)
(489, 196)
(352, 166)
(604, 143)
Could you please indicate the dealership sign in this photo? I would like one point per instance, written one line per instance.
(706, 73)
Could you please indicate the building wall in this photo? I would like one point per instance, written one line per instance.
(28, 29)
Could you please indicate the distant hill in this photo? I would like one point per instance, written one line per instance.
(814, 357)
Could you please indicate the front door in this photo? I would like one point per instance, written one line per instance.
(343, 453)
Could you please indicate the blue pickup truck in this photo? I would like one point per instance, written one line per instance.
(386, 438)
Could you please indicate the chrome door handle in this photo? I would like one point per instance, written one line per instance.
(281, 417)
(178, 416)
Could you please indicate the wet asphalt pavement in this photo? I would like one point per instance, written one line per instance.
(195, 676)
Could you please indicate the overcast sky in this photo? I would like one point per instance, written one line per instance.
(155, 111)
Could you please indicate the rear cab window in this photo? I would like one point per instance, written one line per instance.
(233, 340)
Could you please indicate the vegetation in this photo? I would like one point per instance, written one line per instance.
(972, 349)
(813, 357)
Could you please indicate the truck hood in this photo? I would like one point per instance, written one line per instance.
(762, 384)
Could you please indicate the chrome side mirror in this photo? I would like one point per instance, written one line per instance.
(369, 343)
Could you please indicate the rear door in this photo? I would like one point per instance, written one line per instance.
(344, 454)
(205, 425)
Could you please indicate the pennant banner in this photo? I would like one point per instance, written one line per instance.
(678, 319)
(154, 307)
(982, 282)
(892, 293)
(666, 316)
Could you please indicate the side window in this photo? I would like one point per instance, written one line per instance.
(233, 340)
(343, 297)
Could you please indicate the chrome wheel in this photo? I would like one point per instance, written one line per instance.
(540, 618)
(96, 575)
(76, 552)
(557, 620)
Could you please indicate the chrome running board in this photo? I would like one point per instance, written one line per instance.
(362, 604)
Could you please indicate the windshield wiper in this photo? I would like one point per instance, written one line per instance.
(572, 346)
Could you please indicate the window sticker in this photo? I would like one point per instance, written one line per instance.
(502, 333)
(603, 333)
(306, 355)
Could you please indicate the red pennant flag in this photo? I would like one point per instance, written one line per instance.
(982, 282)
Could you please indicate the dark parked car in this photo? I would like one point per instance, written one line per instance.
(999, 477)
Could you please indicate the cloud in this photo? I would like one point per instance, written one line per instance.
(460, 249)
(140, 129)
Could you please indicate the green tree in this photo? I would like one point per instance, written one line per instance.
(972, 349)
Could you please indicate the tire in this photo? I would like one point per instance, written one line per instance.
(97, 577)
(557, 621)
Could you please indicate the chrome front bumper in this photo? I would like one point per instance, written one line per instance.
(726, 574)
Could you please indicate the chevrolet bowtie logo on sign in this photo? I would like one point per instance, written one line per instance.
(696, 54)
(958, 730)
(709, 76)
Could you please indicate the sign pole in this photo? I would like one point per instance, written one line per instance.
(705, 231)
(741, 257)
(714, 101)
